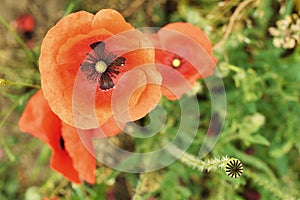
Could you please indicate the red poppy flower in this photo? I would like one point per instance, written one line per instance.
(70, 156)
(25, 23)
(104, 51)
(183, 54)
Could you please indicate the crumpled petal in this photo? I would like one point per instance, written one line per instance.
(72, 149)
(39, 121)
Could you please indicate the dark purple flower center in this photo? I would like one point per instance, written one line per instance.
(101, 66)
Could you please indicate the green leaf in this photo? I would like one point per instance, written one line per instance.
(281, 150)
(257, 139)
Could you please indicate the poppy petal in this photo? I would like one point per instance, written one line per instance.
(83, 160)
(50, 49)
(193, 51)
(62, 53)
(39, 121)
(110, 20)
(142, 95)
(79, 145)
(193, 32)
(112, 128)
(196, 56)
(174, 83)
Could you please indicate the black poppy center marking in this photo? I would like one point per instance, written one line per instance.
(62, 143)
(101, 66)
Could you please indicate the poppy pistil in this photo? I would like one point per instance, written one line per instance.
(176, 62)
(101, 67)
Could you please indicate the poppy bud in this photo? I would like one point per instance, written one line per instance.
(25, 23)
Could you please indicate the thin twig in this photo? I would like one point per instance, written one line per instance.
(232, 20)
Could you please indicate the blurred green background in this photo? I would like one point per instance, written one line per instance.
(261, 76)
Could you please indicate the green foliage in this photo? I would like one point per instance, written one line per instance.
(261, 126)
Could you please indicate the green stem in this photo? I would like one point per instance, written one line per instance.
(194, 162)
(140, 187)
(9, 83)
(229, 138)
(2, 140)
(234, 68)
(69, 8)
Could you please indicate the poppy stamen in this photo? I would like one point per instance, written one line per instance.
(101, 66)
